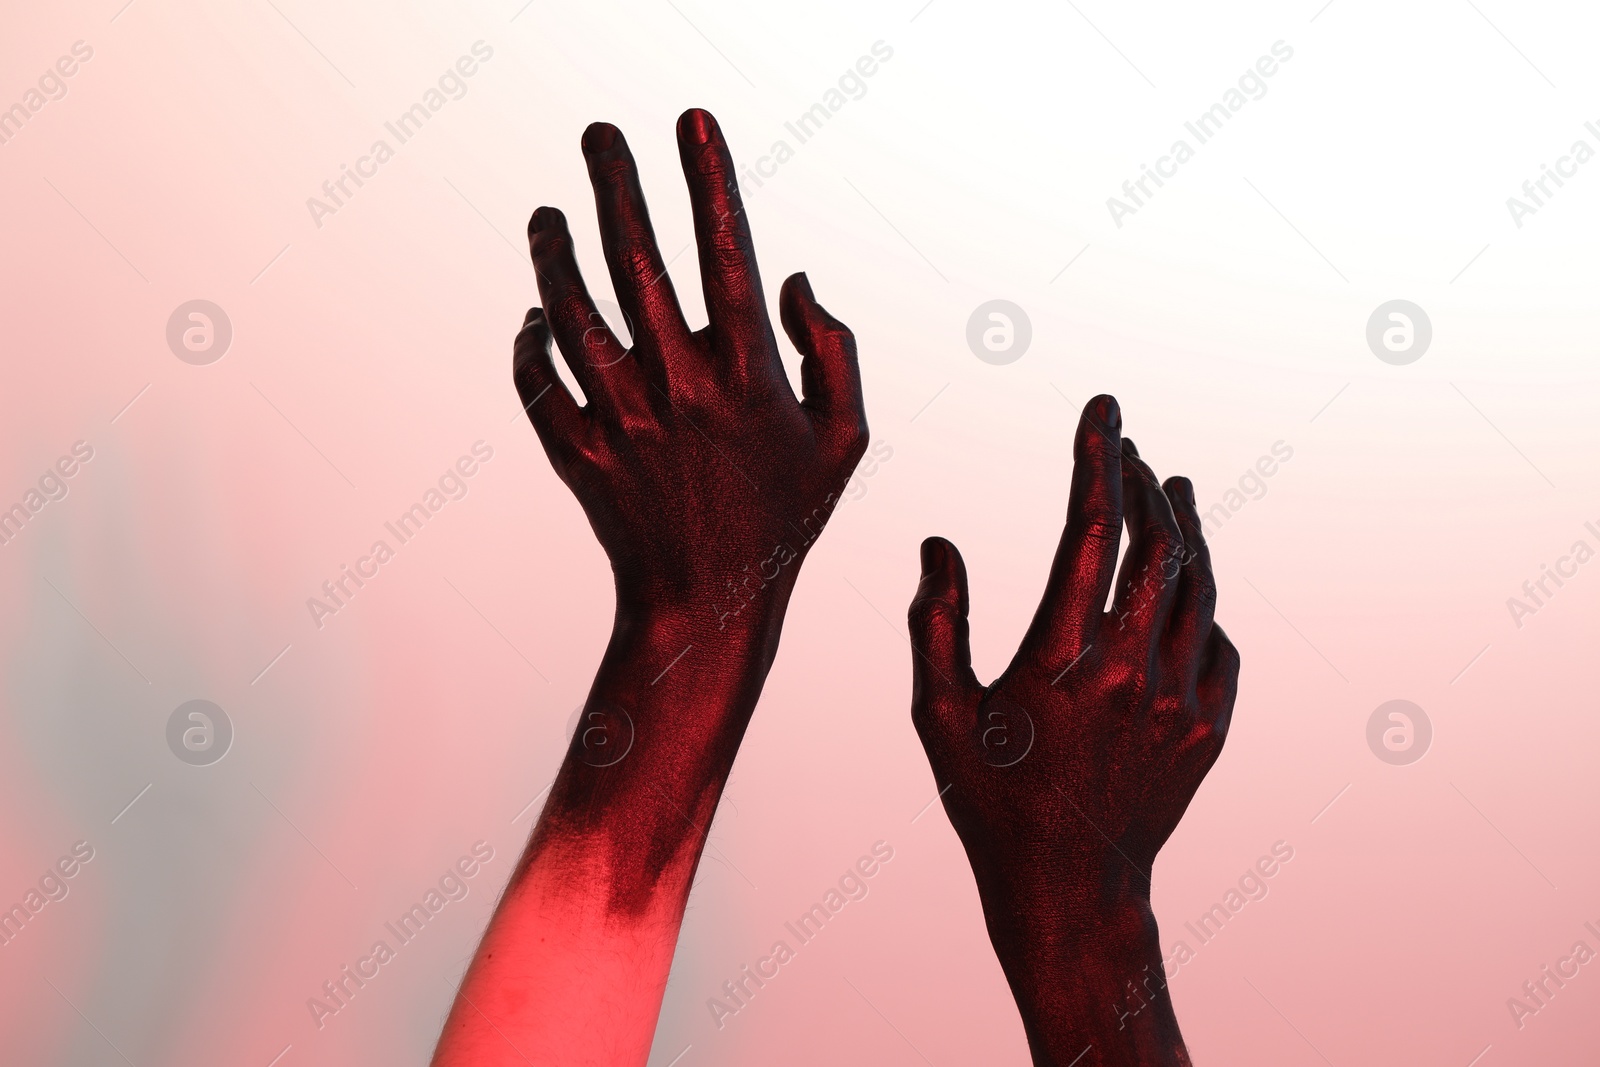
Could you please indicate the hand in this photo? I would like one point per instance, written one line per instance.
(706, 481)
(704, 478)
(1067, 775)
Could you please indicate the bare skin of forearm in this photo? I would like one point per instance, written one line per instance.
(574, 964)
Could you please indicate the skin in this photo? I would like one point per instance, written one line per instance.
(706, 481)
(1068, 773)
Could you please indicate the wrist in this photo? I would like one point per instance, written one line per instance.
(675, 661)
(1063, 894)
(1068, 930)
(718, 604)
(658, 732)
(1088, 972)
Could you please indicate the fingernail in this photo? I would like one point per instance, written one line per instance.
(546, 218)
(699, 126)
(1130, 448)
(932, 556)
(804, 284)
(599, 138)
(534, 315)
(1108, 413)
(1185, 490)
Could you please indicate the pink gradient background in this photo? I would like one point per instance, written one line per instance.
(430, 712)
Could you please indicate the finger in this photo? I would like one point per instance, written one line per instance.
(728, 273)
(830, 376)
(1219, 679)
(944, 691)
(1218, 686)
(1149, 580)
(638, 274)
(588, 346)
(1195, 603)
(556, 417)
(1069, 615)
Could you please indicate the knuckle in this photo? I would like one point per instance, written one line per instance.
(1100, 523)
(852, 447)
(727, 251)
(611, 166)
(1102, 455)
(927, 615)
(836, 336)
(549, 243)
(1167, 544)
(1127, 680)
(854, 443)
(637, 257)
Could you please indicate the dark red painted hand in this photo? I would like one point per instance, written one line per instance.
(704, 477)
(1067, 775)
(706, 481)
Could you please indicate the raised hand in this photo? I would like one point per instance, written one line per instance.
(706, 481)
(693, 459)
(1067, 774)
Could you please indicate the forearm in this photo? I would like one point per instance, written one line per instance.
(575, 961)
(1090, 988)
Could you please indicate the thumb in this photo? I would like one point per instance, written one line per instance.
(830, 376)
(944, 691)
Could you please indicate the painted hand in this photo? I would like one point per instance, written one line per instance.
(1069, 772)
(704, 477)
